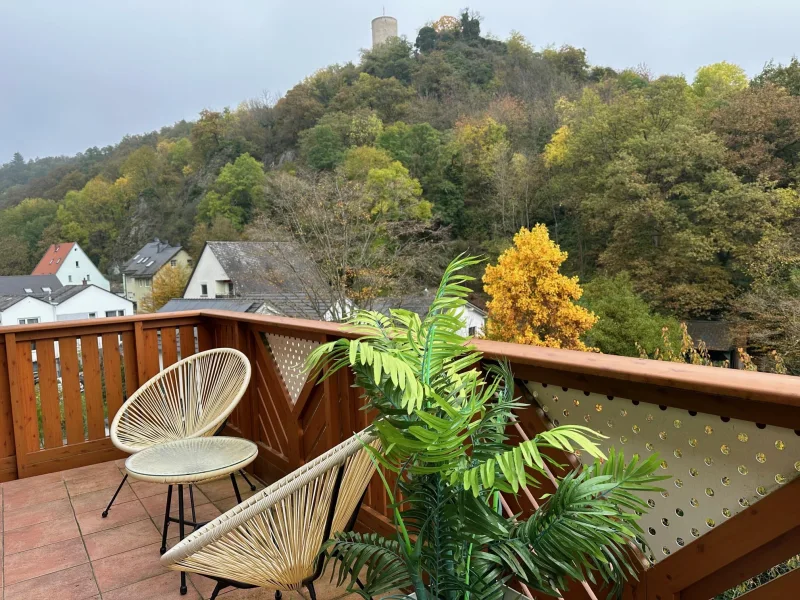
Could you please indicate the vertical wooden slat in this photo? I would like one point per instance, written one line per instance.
(205, 338)
(71, 389)
(131, 367)
(141, 369)
(112, 370)
(30, 420)
(93, 387)
(17, 402)
(148, 357)
(49, 399)
(169, 346)
(6, 417)
(187, 341)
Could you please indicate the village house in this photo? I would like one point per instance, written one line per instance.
(71, 265)
(139, 271)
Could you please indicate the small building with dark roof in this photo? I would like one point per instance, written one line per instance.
(718, 338)
(139, 271)
(38, 286)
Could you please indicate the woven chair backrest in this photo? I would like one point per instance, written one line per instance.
(191, 398)
(274, 537)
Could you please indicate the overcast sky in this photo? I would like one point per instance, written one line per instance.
(82, 73)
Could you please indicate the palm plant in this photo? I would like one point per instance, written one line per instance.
(442, 418)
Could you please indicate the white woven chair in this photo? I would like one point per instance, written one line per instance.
(192, 398)
(273, 538)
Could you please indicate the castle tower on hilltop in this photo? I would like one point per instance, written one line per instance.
(383, 28)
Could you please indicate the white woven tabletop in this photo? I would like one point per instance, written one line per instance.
(191, 460)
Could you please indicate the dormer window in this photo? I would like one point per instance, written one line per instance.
(51, 262)
(58, 260)
(46, 290)
(150, 264)
(136, 257)
(28, 291)
(58, 248)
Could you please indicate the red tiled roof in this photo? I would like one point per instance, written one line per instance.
(53, 259)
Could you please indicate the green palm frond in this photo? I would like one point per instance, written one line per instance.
(586, 526)
(386, 568)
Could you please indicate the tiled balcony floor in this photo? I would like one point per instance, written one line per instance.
(56, 546)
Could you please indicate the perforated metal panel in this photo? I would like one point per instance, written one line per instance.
(290, 355)
(718, 466)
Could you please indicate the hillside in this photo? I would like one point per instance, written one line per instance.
(386, 168)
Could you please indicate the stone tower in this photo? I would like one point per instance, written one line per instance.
(383, 28)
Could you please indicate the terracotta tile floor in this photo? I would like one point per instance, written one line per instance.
(56, 546)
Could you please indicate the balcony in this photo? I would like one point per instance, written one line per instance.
(729, 439)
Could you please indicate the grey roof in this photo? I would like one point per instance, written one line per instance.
(232, 304)
(9, 301)
(150, 259)
(717, 335)
(68, 291)
(16, 285)
(297, 305)
(258, 268)
(419, 304)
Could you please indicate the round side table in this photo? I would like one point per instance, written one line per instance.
(187, 462)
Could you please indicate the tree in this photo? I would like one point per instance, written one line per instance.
(23, 227)
(170, 282)
(426, 39)
(238, 192)
(220, 230)
(625, 323)
(360, 253)
(390, 59)
(568, 60)
(389, 98)
(785, 76)
(716, 83)
(358, 162)
(321, 147)
(530, 301)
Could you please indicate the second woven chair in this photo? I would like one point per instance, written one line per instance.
(192, 398)
(273, 538)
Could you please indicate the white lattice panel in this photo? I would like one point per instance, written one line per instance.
(718, 467)
(290, 355)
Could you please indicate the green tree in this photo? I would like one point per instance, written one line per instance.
(715, 83)
(358, 162)
(390, 59)
(389, 98)
(237, 193)
(25, 224)
(321, 147)
(785, 76)
(625, 321)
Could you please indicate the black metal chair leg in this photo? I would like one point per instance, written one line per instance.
(236, 489)
(217, 589)
(114, 497)
(250, 483)
(184, 589)
(191, 501)
(311, 591)
(166, 521)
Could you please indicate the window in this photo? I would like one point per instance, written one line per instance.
(92, 315)
(46, 290)
(150, 264)
(173, 263)
(204, 289)
(136, 257)
(88, 277)
(472, 331)
(51, 262)
(189, 262)
(77, 264)
(69, 278)
(145, 282)
(58, 260)
(230, 288)
(29, 321)
(115, 313)
(28, 291)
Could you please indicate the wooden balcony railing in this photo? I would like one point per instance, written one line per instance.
(729, 439)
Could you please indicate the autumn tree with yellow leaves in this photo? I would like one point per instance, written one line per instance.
(531, 302)
(168, 283)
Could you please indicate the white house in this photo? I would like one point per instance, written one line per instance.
(474, 317)
(250, 269)
(71, 265)
(25, 310)
(73, 302)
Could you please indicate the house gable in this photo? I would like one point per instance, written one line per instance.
(208, 272)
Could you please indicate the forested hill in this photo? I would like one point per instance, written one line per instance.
(453, 142)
